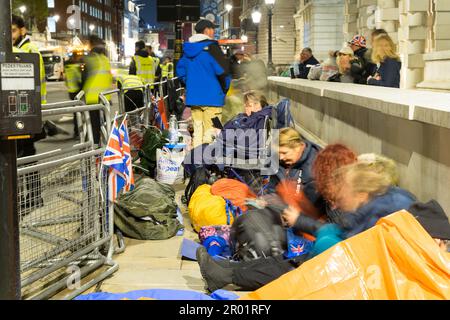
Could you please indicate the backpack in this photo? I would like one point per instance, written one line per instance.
(153, 140)
(258, 234)
(200, 177)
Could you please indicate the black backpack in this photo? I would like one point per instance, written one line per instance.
(200, 177)
(258, 234)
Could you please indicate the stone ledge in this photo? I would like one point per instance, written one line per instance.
(438, 55)
(419, 105)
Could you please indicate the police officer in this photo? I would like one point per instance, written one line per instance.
(167, 69)
(96, 78)
(22, 42)
(72, 70)
(142, 64)
(134, 98)
(25, 148)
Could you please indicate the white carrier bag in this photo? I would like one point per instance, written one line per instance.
(169, 168)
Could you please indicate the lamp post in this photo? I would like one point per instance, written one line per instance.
(270, 4)
(256, 17)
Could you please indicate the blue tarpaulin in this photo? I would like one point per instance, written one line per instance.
(160, 294)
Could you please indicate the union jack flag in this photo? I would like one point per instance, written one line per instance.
(117, 159)
(297, 249)
(126, 150)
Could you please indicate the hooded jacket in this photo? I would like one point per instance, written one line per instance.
(301, 172)
(205, 72)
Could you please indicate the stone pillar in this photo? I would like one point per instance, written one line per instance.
(442, 25)
(412, 35)
(350, 19)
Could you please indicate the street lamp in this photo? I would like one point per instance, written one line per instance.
(228, 7)
(270, 4)
(256, 16)
(91, 27)
(244, 38)
(22, 9)
(56, 18)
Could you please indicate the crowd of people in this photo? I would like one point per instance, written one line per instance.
(354, 63)
(331, 194)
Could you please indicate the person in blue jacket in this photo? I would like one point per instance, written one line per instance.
(388, 61)
(205, 71)
(297, 156)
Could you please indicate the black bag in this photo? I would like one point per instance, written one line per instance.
(258, 234)
(200, 177)
(153, 139)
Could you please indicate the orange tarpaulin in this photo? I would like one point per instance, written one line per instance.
(396, 259)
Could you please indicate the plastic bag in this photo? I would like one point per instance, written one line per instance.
(396, 259)
(169, 167)
(296, 245)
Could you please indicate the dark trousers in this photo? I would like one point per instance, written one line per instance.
(134, 99)
(72, 96)
(96, 125)
(252, 275)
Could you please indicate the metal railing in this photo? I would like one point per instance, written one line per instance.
(65, 225)
(138, 121)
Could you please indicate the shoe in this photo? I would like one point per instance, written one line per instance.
(216, 276)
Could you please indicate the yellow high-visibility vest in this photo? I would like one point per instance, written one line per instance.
(28, 47)
(167, 70)
(130, 81)
(100, 78)
(73, 77)
(145, 69)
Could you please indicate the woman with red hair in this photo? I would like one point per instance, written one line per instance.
(254, 274)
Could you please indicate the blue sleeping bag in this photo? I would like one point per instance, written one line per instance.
(160, 294)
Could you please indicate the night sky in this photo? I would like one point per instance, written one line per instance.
(149, 11)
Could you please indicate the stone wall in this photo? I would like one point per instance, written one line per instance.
(319, 26)
(410, 126)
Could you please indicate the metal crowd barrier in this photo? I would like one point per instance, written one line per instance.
(138, 121)
(65, 226)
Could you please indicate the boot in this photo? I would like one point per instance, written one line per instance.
(216, 276)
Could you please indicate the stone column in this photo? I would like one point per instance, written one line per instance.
(412, 35)
(442, 25)
(350, 19)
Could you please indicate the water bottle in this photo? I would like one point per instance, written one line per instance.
(173, 129)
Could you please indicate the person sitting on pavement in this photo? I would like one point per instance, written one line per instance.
(362, 191)
(388, 62)
(297, 156)
(254, 274)
(307, 60)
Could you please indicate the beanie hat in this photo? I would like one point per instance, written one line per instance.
(359, 41)
(432, 218)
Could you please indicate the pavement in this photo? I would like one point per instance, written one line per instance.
(144, 264)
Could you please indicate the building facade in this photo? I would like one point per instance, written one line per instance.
(95, 17)
(421, 29)
(318, 25)
(230, 24)
(283, 30)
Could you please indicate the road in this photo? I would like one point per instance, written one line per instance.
(57, 92)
